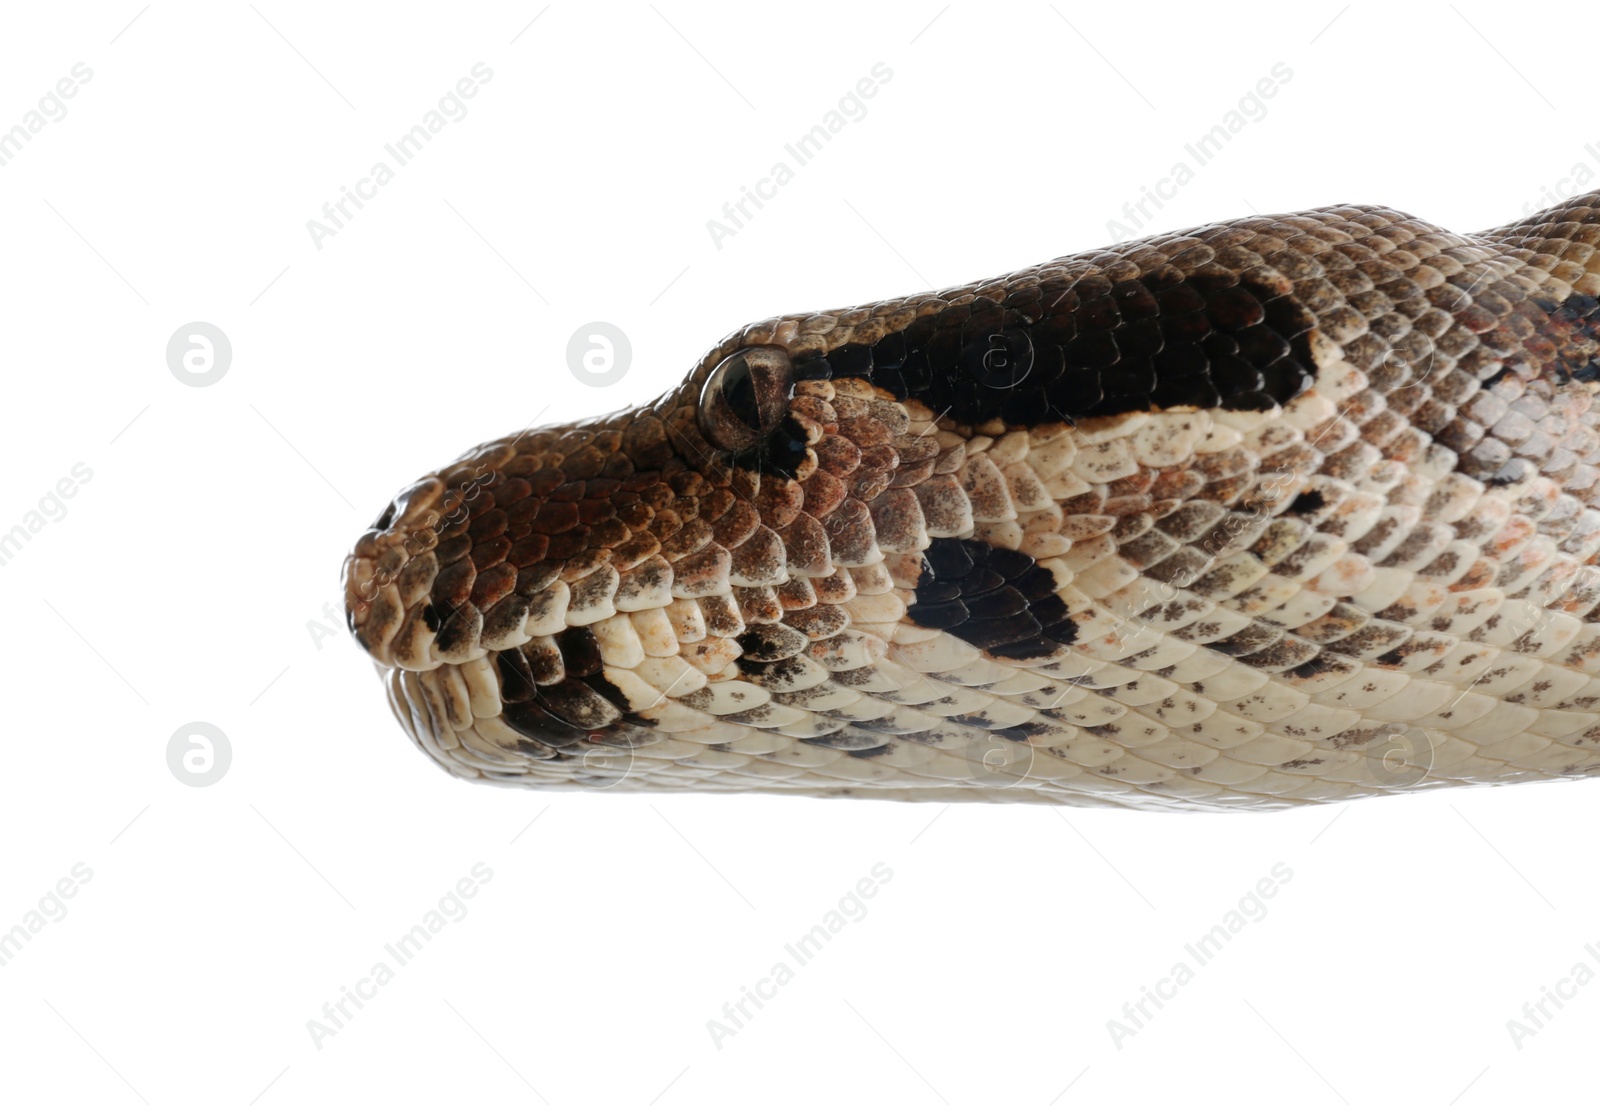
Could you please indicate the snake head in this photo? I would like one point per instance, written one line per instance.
(573, 606)
(1225, 517)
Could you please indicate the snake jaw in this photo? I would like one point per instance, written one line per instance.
(1223, 518)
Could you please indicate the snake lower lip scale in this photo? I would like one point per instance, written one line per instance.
(1281, 510)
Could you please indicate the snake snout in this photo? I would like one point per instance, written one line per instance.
(508, 600)
(382, 571)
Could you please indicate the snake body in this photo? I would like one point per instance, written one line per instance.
(1281, 510)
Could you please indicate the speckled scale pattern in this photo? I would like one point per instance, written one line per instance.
(1208, 520)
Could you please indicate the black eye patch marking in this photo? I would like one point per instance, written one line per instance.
(1090, 347)
(781, 452)
(993, 598)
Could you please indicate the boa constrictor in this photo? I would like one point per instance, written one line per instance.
(1287, 509)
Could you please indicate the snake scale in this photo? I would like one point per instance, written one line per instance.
(1280, 510)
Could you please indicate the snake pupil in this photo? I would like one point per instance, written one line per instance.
(739, 390)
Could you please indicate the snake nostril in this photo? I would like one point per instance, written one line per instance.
(385, 518)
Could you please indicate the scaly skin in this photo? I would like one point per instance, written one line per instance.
(1288, 509)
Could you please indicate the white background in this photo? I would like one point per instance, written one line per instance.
(188, 579)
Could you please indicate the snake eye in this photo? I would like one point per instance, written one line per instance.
(746, 397)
